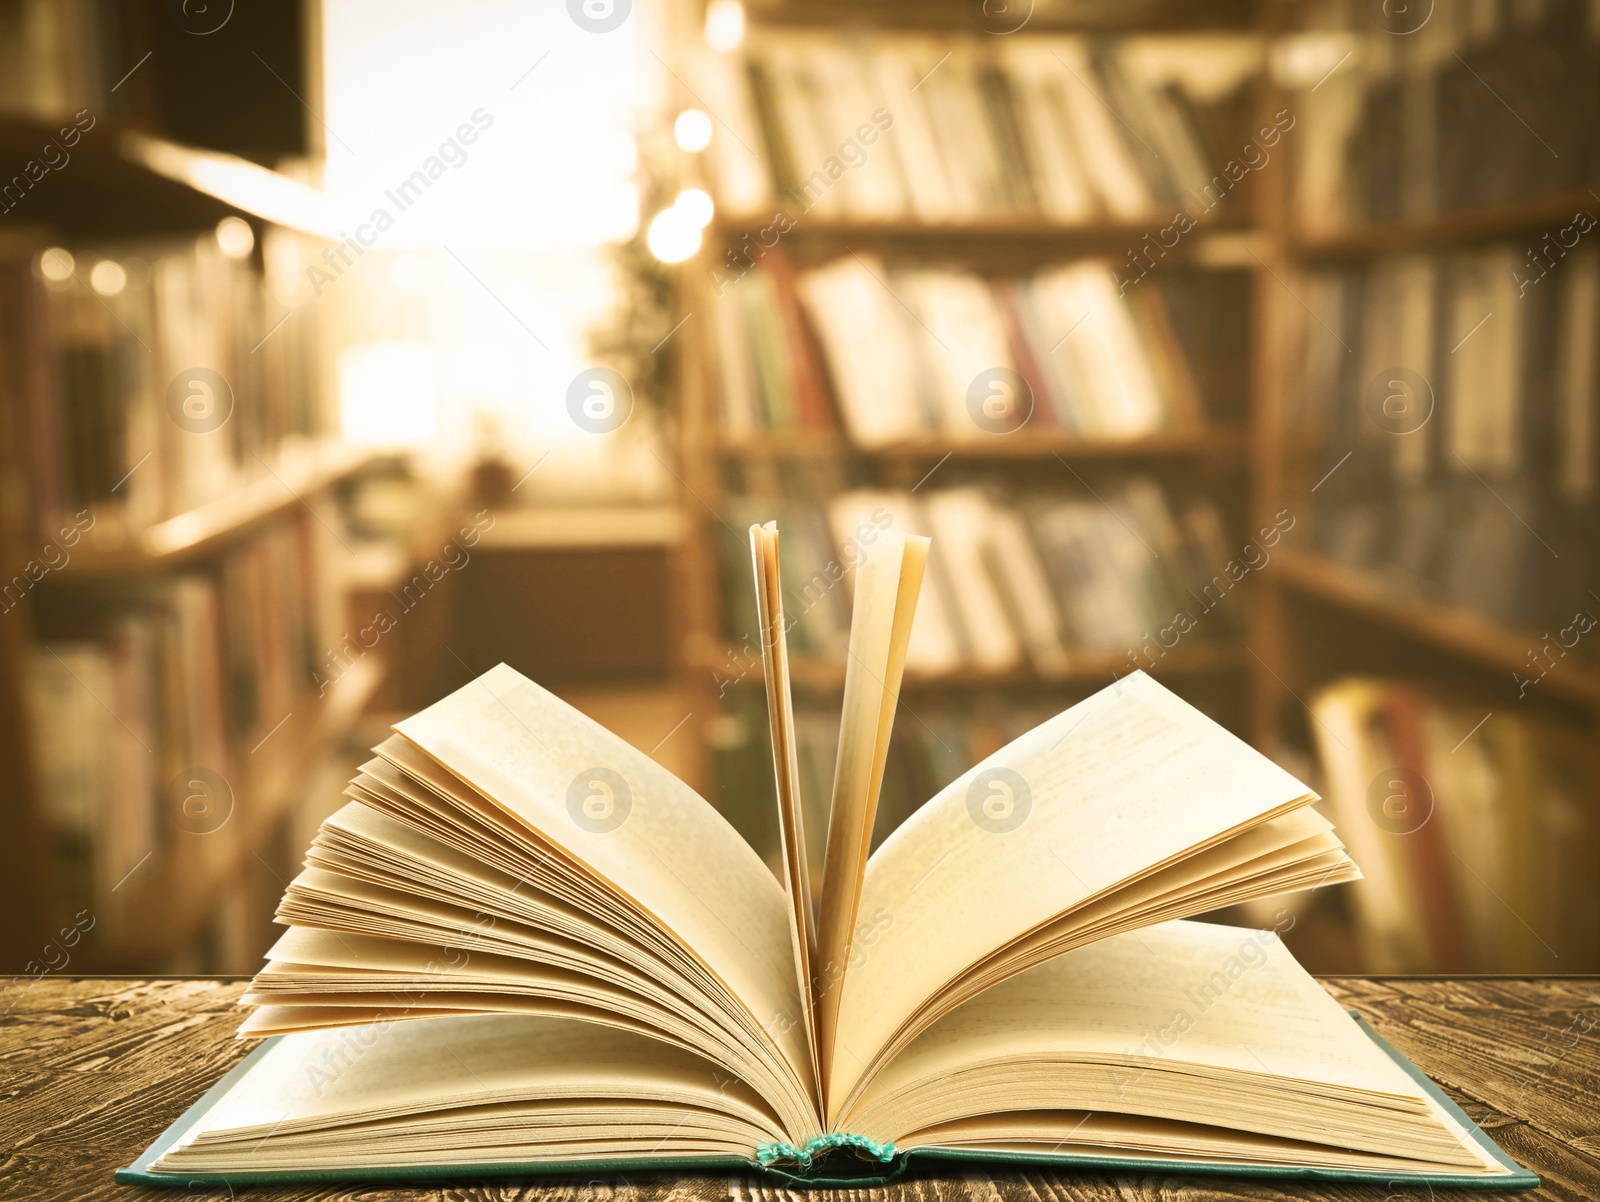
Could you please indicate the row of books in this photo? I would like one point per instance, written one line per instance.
(948, 130)
(144, 710)
(60, 56)
(907, 353)
(1473, 828)
(1476, 105)
(164, 373)
(1040, 581)
(1453, 403)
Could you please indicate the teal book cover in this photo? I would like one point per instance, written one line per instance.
(872, 1164)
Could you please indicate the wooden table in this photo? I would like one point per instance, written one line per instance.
(93, 1069)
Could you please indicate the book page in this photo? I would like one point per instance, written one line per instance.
(1196, 992)
(1122, 782)
(786, 772)
(634, 825)
(321, 1081)
(1185, 1021)
(887, 584)
(1046, 1132)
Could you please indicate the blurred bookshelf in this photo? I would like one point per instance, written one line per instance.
(1225, 445)
(805, 288)
(170, 529)
(1423, 640)
(1249, 345)
(989, 267)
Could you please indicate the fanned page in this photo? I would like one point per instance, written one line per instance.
(613, 809)
(1076, 830)
(513, 857)
(888, 581)
(786, 773)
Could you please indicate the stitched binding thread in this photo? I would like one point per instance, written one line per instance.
(770, 1153)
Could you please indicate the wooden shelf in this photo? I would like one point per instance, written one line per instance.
(1034, 233)
(1447, 628)
(1078, 16)
(120, 181)
(243, 186)
(211, 527)
(803, 444)
(1087, 669)
(182, 884)
(591, 527)
(1544, 214)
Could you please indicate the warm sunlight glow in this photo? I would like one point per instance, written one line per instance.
(696, 205)
(56, 265)
(692, 130)
(387, 394)
(673, 235)
(108, 278)
(480, 159)
(235, 237)
(515, 127)
(724, 25)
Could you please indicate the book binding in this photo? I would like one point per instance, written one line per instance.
(769, 1154)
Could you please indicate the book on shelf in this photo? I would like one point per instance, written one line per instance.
(1473, 828)
(145, 707)
(1449, 412)
(524, 946)
(155, 376)
(1039, 582)
(934, 353)
(1474, 106)
(947, 131)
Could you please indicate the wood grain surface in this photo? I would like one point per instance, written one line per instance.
(93, 1069)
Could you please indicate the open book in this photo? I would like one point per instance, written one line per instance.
(525, 946)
